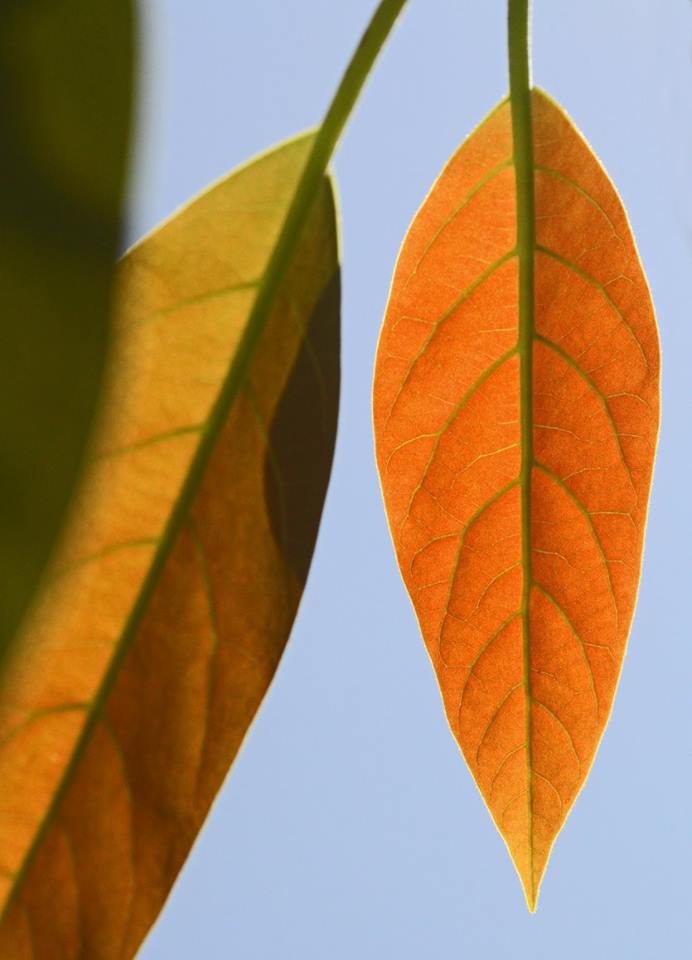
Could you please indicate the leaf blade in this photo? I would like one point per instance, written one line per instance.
(450, 400)
(167, 715)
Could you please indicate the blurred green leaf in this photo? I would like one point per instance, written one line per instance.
(66, 79)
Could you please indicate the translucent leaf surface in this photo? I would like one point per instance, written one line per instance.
(515, 443)
(167, 611)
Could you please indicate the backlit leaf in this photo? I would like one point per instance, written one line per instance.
(138, 673)
(66, 77)
(515, 443)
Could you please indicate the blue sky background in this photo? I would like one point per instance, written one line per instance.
(350, 827)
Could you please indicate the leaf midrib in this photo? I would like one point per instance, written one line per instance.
(522, 139)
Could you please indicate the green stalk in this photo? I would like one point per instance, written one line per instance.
(296, 218)
(520, 101)
(335, 119)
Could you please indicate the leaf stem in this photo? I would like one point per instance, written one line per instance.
(327, 137)
(520, 101)
(519, 50)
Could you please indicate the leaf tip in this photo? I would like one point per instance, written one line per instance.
(531, 895)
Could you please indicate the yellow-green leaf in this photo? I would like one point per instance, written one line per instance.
(133, 684)
(66, 78)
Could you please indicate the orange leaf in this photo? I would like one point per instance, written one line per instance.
(132, 687)
(515, 450)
